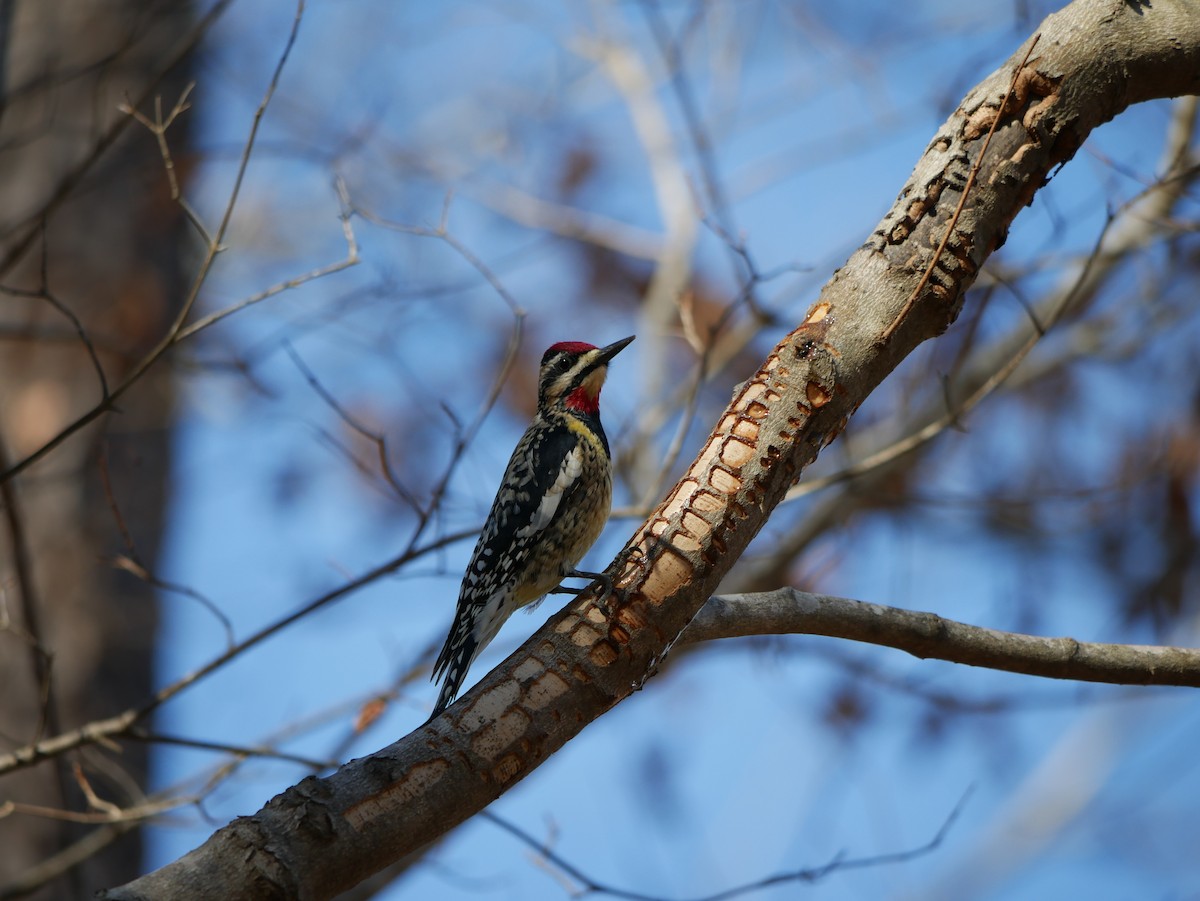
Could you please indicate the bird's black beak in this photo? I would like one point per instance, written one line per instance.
(607, 353)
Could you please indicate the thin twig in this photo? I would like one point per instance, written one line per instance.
(47, 295)
(117, 815)
(349, 260)
(106, 729)
(465, 435)
(590, 886)
(158, 738)
(158, 127)
(380, 441)
(136, 568)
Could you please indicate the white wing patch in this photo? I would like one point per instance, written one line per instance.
(571, 467)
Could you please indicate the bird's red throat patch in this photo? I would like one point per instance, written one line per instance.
(586, 398)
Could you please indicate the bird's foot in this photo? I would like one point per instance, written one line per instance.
(606, 588)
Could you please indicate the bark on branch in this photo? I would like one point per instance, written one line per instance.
(1093, 59)
(929, 636)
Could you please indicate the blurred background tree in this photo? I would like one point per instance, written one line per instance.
(515, 174)
(92, 266)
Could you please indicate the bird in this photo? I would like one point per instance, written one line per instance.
(552, 504)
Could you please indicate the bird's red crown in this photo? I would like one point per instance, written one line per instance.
(571, 347)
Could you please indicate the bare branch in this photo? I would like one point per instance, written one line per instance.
(349, 260)
(136, 568)
(380, 441)
(466, 435)
(929, 636)
(809, 875)
(103, 731)
(236, 750)
(158, 127)
(44, 293)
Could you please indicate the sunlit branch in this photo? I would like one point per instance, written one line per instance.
(568, 222)
(702, 144)
(1130, 228)
(619, 60)
(1127, 229)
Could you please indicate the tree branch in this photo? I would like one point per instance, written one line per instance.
(929, 636)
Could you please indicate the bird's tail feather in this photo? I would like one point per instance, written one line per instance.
(451, 669)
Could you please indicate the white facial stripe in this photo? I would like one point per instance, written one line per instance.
(566, 381)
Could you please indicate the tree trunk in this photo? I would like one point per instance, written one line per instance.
(89, 255)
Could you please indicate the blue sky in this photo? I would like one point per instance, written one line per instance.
(724, 769)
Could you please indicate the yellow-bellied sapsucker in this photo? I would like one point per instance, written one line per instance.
(551, 506)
